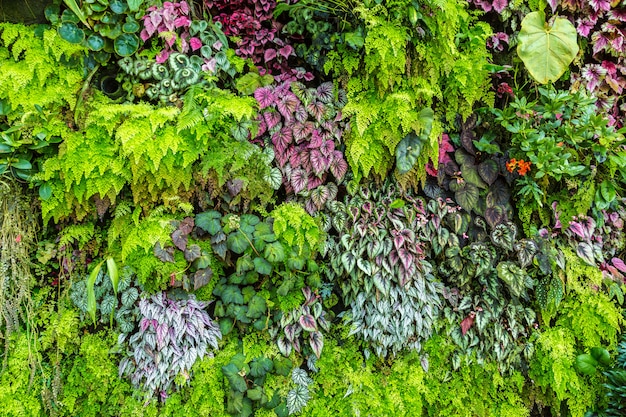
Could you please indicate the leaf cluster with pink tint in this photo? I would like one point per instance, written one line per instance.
(604, 70)
(304, 126)
(170, 23)
(252, 23)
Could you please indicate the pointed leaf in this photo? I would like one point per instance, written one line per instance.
(308, 323)
(488, 171)
(316, 340)
(467, 197)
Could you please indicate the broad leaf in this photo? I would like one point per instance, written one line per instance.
(546, 50)
(262, 266)
(260, 366)
(274, 252)
(126, 44)
(201, 278)
(237, 242)
(467, 196)
(488, 171)
(308, 323)
(408, 151)
(166, 255)
(192, 253)
(237, 383)
(504, 235)
(349, 261)
(585, 252)
(209, 221)
(71, 32)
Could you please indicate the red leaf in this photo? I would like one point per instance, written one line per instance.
(467, 322)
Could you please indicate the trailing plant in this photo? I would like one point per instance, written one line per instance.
(104, 27)
(18, 231)
(378, 261)
(304, 128)
(172, 335)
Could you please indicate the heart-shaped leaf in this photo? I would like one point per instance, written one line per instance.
(202, 278)
(467, 196)
(408, 151)
(95, 42)
(316, 340)
(546, 50)
(488, 171)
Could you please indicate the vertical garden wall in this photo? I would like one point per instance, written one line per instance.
(324, 208)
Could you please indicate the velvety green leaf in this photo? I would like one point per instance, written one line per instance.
(256, 307)
(408, 151)
(209, 221)
(262, 266)
(546, 50)
(260, 366)
(232, 294)
(274, 252)
(237, 242)
(237, 383)
(601, 355)
(467, 196)
(470, 175)
(95, 42)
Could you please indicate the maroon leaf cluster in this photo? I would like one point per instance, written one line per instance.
(304, 126)
(258, 36)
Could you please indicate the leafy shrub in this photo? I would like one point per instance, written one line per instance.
(172, 335)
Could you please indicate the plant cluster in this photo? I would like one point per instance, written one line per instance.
(304, 127)
(258, 36)
(104, 27)
(172, 335)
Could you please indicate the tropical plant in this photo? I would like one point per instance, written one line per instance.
(172, 335)
(304, 127)
(105, 28)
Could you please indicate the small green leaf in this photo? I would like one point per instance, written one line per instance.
(209, 221)
(133, 5)
(131, 26)
(256, 307)
(262, 266)
(95, 42)
(601, 355)
(237, 382)
(586, 364)
(45, 192)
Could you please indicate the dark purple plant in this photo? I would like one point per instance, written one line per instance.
(258, 36)
(304, 127)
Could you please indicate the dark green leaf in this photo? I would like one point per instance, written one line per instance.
(586, 364)
(209, 221)
(260, 366)
(262, 266)
(95, 42)
(274, 252)
(237, 242)
(45, 192)
(488, 171)
(467, 196)
(71, 32)
(256, 307)
(283, 366)
(232, 294)
(126, 44)
(408, 151)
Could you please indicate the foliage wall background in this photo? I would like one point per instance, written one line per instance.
(347, 207)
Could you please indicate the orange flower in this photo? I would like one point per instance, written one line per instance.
(511, 165)
(524, 167)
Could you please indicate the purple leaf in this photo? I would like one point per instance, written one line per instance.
(286, 51)
(339, 167)
(272, 118)
(405, 257)
(287, 105)
(265, 96)
(298, 180)
(499, 5)
(585, 252)
(398, 240)
(325, 92)
(316, 340)
(315, 182)
(308, 323)
(309, 296)
(179, 239)
(327, 148)
(319, 162)
(316, 109)
(577, 228)
(300, 113)
(269, 54)
(302, 131)
(619, 264)
(281, 140)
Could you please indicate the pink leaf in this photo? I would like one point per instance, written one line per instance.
(499, 5)
(265, 96)
(272, 118)
(327, 148)
(339, 167)
(286, 51)
(308, 323)
(619, 264)
(195, 44)
(269, 54)
(319, 162)
(316, 340)
(406, 258)
(315, 182)
(287, 105)
(298, 180)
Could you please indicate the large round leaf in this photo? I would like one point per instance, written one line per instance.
(71, 32)
(95, 42)
(126, 44)
(546, 50)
